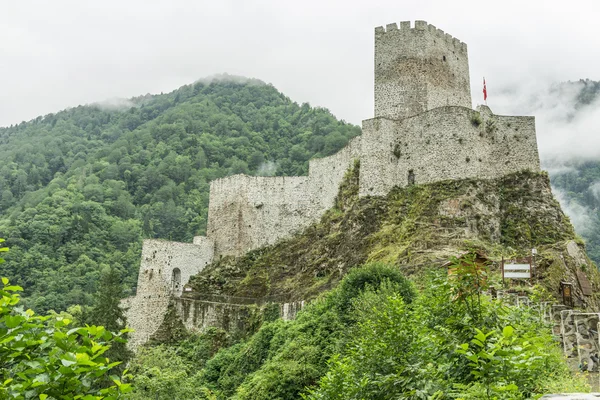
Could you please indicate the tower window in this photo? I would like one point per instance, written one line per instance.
(411, 177)
(444, 58)
(176, 279)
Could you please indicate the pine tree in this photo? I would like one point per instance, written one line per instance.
(108, 312)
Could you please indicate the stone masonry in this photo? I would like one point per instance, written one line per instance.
(418, 69)
(424, 130)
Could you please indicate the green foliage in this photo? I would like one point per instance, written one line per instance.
(374, 337)
(108, 312)
(40, 357)
(80, 188)
(166, 372)
(476, 119)
(284, 357)
(161, 373)
(468, 280)
(371, 276)
(422, 352)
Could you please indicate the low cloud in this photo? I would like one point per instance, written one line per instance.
(581, 217)
(567, 130)
(114, 104)
(595, 189)
(230, 78)
(268, 168)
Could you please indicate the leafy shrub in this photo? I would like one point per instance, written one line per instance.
(371, 276)
(437, 349)
(476, 119)
(375, 337)
(41, 357)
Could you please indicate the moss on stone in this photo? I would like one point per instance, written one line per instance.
(413, 227)
(171, 330)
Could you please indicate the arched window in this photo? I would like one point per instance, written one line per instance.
(176, 279)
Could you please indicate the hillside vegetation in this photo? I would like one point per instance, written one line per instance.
(371, 333)
(414, 228)
(375, 336)
(79, 189)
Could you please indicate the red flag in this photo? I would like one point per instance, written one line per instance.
(484, 91)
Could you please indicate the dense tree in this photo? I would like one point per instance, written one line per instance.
(108, 312)
(79, 189)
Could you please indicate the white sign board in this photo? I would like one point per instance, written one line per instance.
(517, 271)
(517, 267)
(517, 275)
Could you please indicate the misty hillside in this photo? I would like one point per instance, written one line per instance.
(576, 179)
(79, 189)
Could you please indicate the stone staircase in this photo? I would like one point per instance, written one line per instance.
(577, 333)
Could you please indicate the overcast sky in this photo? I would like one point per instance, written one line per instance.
(62, 53)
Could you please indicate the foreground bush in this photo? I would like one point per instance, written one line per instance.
(444, 348)
(41, 358)
(374, 337)
(283, 357)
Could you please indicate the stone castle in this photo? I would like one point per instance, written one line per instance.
(424, 131)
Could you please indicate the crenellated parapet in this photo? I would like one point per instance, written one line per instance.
(418, 69)
(421, 27)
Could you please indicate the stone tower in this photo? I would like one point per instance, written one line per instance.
(418, 69)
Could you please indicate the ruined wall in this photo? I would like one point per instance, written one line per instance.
(418, 69)
(197, 315)
(248, 212)
(230, 314)
(156, 283)
(326, 174)
(445, 143)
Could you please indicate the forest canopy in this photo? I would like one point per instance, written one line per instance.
(79, 189)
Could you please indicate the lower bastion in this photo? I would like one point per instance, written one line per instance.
(446, 142)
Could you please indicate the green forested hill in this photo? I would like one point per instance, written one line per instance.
(579, 191)
(79, 189)
(576, 182)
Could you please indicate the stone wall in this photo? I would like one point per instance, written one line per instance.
(326, 174)
(418, 69)
(164, 269)
(197, 315)
(229, 314)
(444, 143)
(249, 212)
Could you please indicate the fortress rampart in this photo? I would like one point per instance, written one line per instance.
(444, 143)
(424, 131)
(164, 269)
(261, 210)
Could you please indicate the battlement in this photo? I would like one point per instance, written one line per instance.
(419, 28)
